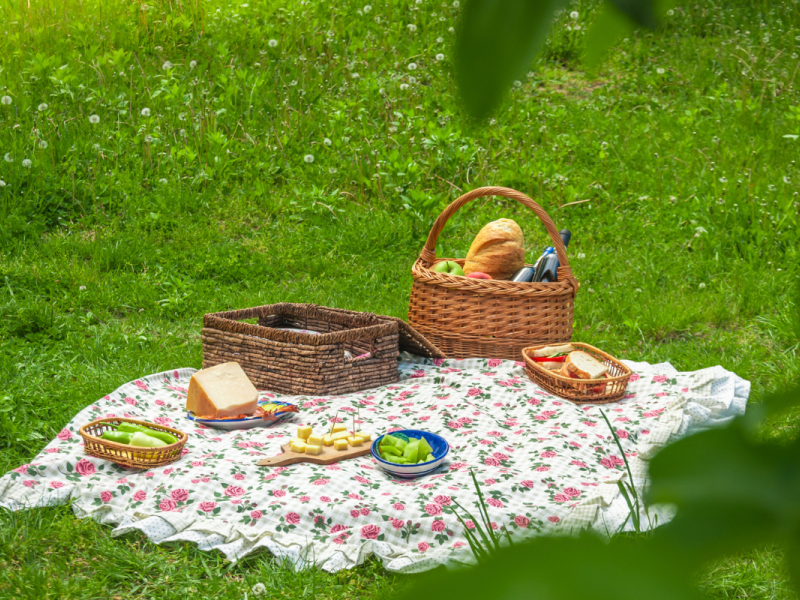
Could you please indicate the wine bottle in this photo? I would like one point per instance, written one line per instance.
(548, 263)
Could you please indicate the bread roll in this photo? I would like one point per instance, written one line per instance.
(498, 250)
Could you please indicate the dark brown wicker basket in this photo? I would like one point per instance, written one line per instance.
(490, 318)
(290, 362)
(581, 391)
(129, 456)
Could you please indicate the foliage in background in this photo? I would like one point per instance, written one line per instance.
(674, 168)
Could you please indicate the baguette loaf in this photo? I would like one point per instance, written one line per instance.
(498, 250)
(584, 366)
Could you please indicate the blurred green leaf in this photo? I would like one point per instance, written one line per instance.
(610, 26)
(643, 12)
(496, 42)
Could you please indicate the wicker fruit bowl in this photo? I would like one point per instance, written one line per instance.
(581, 391)
(130, 456)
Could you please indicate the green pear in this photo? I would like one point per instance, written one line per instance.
(449, 266)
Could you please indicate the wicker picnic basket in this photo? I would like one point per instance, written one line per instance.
(490, 318)
(581, 391)
(130, 456)
(293, 362)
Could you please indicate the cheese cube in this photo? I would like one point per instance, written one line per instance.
(297, 446)
(221, 391)
(313, 449)
(364, 436)
(327, 440)
(341, 435)
(338, 428)
(304, 431)
(314, 440)
(340, 444)
(354, 440)
(297, 441)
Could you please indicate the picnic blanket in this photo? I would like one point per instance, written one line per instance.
(545, 465)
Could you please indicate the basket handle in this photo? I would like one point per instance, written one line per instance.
(428, 253)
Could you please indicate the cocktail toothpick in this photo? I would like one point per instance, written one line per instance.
(334, 421)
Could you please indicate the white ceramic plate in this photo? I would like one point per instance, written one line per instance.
(247, 422)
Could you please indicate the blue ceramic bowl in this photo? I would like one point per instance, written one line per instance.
(440, 450)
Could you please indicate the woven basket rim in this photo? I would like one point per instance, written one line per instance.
(182, 436)
(626, 371)
(229, 321)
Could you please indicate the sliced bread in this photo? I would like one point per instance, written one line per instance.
(552, 350)
(584, 366)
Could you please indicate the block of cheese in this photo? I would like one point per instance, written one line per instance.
(341, 435)
(364, 436)
(296, 446)
(354, 440)
(313, 449)
(340, 444)
(221, 391)
(338, 428)
(327, 440)
(297, 441)
(304, 431)
(314, 440)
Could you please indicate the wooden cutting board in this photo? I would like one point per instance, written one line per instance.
(328, 456)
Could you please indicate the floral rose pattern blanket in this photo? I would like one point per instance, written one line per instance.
(545, 465)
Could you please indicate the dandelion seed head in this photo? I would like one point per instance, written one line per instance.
(451, 29)
(42, 144)
(327, 141)
(517, 84)
(412, 66)
(6, 100)
(309, 158)
(27, 163)
(2, 183)
(166, 66)
(259, 589)
(456, 4)
(604, 145)
(440, 56)
(273, 43)
(354, 75)
(162, 181)
(412, 28)
(660, 70)
(8, 157)
(439, 40)
(94, 119)
(702, 286)
(574, 15)
(367, 8)
(403, 87)
(42, 107)
(145, 112)
(193, 64)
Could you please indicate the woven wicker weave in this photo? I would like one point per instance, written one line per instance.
(125, 455)
(490, 318)
(291, 362)
(581, 391)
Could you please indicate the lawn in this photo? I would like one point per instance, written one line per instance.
(165, 160)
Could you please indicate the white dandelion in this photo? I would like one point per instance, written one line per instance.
(412, 66)
(412, 80)
(456, 4)
(27, 163)
(367, 8)
(181, 116)
(2, 183)
(439, 40)
(193, 64)
(451, 29)
(166, 66)
(517, 83)
(403, 86)
(412, 28)
(94, 119)
(309, 158)
(418, 1)
(8, 157)
(42, 144)
(327, 141)
(660, 70)
(273, 43)
(162, 181)
(574, 15)
(6, 100)
(259, 589)
(702, 286)
(145, 112)
(440, 56)
(42, 107)
(354, 75)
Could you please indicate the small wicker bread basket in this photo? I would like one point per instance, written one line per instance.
(130, 456)
(479, 318)
(581, 391)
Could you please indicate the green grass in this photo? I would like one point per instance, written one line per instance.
(121, 234)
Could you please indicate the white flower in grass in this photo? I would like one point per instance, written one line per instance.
(574, 15)
(456, 4)
(162, 181)
(273, 43)
(181, 116)
(418, 1)
(451, 29)
(145, 112)
(327, 142)
(81, 288)
(94, 119)
(403, 86)
(6, 100)
(517, 83)
(42, 144)
(42, 107)
(660, 70)
(259, 589)
(27, 163)
(193, 64)
(309, 158)
(167, 65)
(367, 8)
(440, 56)
(580, 255)
(2, 183)
(702, 286)
(439, 40)
(412, 80)
(8, 157)
(412, 28)
(412, 66)
(354, 75)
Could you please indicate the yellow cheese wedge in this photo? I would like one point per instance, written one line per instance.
(364, 436)
(313, 449)
(340, 444)
(295, 446)
(314, 440)
(327, 440)
(222, 391)
(354, 440)
(304, 431)
(338, 428)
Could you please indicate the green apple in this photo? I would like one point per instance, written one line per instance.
(449, 266)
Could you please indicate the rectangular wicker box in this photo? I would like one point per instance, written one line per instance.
(351, 351)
